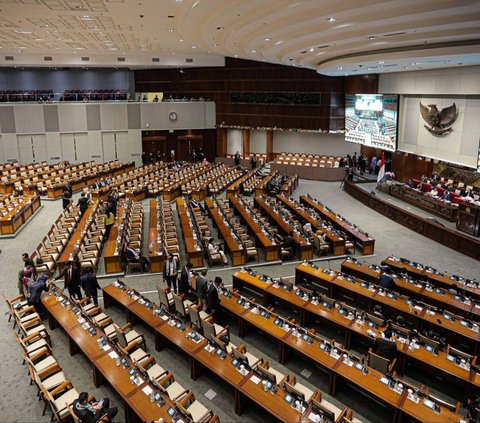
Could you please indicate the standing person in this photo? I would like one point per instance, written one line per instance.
(194, 156)
(170, 272)
(236, 158)
(66, 198)
(373, 164)
(385, 346)
(184, 286)
(201, 156)
(213, 300)
(71, 275)
(90, 284)
(83, 203)
(253, 161)
(201, 288)
(215, 249)
(108, 220)
(34, 293)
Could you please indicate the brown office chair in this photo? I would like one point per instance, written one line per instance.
(379, 363)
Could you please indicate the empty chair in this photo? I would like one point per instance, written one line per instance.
(172, 387)
(379, 363)
(165, 297)
(193, 408)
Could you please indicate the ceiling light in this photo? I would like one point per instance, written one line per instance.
(220, 28)
(372, 37)
(254, 51)
(331, 19)
(340, 68)
(194, 46)
(267, 38)
(236, 55)
(181, 40)
(381, 62)
(170, 30)
(311, 49)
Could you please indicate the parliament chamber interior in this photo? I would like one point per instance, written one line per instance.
(252, 211)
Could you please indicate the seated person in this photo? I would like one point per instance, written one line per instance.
(446, 196)
(377, 311)
(206, 236)
(420, 188)
(91, 412)
(134, 256)
(386, 280)
(307, 229)
(424, 178)
(215, 249)
(433, 192)
(411, 184)
(289, 242)
(385, 346)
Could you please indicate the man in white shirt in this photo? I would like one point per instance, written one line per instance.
(215, 249)
(170, 272)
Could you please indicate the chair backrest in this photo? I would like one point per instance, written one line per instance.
(162, 296)
(209, 330)
(121, 337)
(195, 317)
(179, 305)
(76, 419)
(378, 362)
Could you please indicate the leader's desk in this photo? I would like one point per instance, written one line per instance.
(457, 330)
(338, 370)
(434, 296)
(306, 308)
(137, 405)
(200, 358)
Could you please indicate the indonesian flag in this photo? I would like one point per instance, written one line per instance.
(381, 169)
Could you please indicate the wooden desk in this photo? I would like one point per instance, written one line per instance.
(15, 218)
(236, 186)
(369, 296)
(260, 187)
(272, 250)
(336, 242)
(112, 256)
(237, 253)
(444, 280)
(194, 249)
(367, 243)
(155, 251)
(306, 249)
(104, 368)
(200, 358)
(439, 298)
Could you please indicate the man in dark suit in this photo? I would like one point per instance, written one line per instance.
(386, 280)
(92, 412)
(170, 272)
(90, 285)
(134, 256)
(82, 203)
(71, 276)
(201, 287)
(184, 286)
(213, 300)
(385, 346)
(237, 158)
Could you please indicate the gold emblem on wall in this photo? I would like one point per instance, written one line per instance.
(439, 121)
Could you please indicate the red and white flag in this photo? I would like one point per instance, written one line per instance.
(381, 169)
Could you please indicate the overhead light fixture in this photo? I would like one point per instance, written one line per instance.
(381, 62)
(170, 30)
(194, 46)
(331, 19)
(311, 49)
(267, 39)
(236, 55)
(340, 68)
(220, 28)
(181, 40)
(254, 51)
(372, 37)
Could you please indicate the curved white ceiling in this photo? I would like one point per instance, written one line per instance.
(333, 37)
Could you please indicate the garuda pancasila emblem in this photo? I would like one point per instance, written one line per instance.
(440, 122)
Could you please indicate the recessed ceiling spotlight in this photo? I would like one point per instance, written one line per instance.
(381, 62)
(170, 30)
(340, 68)
(331, 19)
(372, 37)
(194, 46)
(236, 55)
(267, 39)
(254, 51)
(181, 40)
(220, 28)
(215, 45)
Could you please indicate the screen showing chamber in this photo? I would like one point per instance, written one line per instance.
(371, 120)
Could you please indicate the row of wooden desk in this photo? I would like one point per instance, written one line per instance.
(155, 250)
(113, 251)
(367, 243)
(236, 250)
(444, 280)
(336, 241)
(308, 309)
(200, 358)
(306, 249)
(14, 219)
(137, 405)
(457, 331)
(236, 187)
(193, 247)
(270, 248)
(434, 296)
(338, 370)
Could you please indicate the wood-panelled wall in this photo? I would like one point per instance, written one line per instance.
(182, 142)
(244, 75)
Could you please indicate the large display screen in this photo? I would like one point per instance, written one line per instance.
(371, 120)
